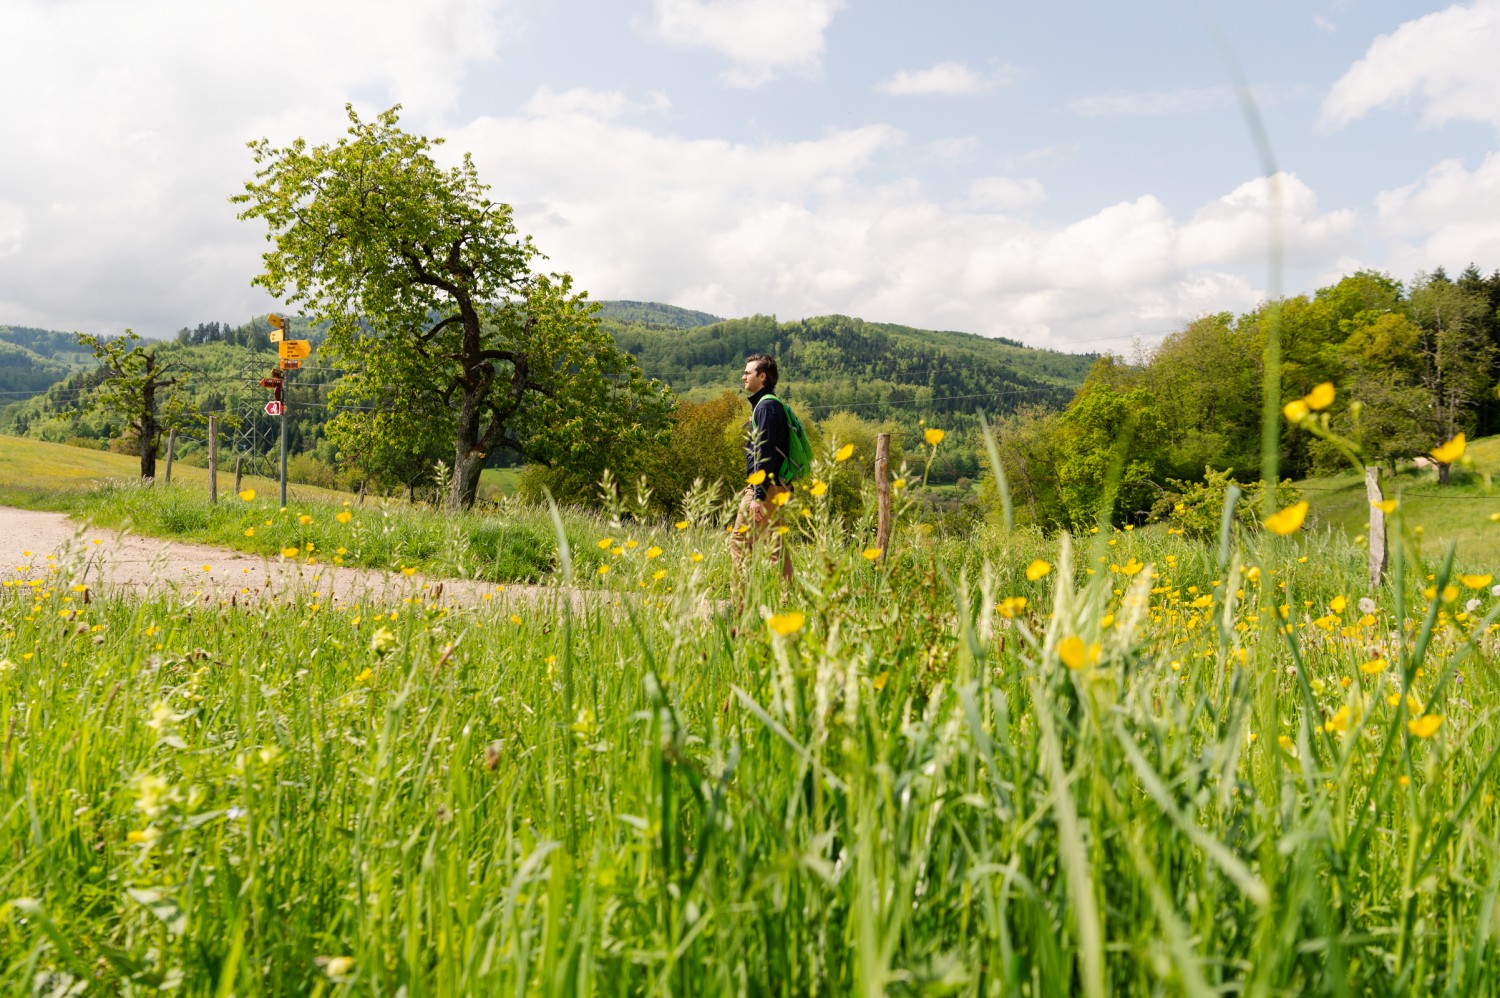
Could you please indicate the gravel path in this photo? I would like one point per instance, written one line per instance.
(34, 544)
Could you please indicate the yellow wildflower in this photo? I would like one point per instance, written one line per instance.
(1287, 521)
(933, 436)
(1321, 397)
(844, 453)
(1450, 451)
(1425, 726)
(1037, 569)
(787, 624)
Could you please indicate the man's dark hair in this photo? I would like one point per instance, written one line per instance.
(766, 365)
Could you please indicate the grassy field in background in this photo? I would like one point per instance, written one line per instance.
(1459, 511)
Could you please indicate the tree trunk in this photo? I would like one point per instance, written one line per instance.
(468, 452)
(148, 422)
(1443, 474)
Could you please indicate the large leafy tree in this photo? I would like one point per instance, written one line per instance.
(433, 308)
(139, 388)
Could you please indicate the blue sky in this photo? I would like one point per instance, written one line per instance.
(1075, 175)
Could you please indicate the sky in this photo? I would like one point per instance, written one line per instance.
(1073, 175)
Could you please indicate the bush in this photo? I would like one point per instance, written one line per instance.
(1197, 508)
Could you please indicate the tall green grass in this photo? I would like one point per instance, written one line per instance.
(894, 778)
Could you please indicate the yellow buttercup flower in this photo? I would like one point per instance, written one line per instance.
(1425, 726)
(653, 552)
(605, 543)
(1337, 604)
(1295, 411)
(249, 531)
(1476, 581)
(933, 436)
(871, 554)
(1373, 667)
(1075, 654)
(781, 498)
(819, 488)
(1320, 397)
(1037, 569)
(290, 552)
(1288, 520)
(344, 516)
(408, 570)
(1010, 606)
(1450, 451)
(756, 477)
(787, 624)
(1387, 506)
(304, 519)
(844, 453)
(681, 524)
(248, 495)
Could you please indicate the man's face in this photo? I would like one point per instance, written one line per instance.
(752, 379)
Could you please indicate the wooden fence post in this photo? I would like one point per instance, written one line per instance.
(239, 460)
(171, 446)
(1377, 525)
(213, 458)
(883, 492)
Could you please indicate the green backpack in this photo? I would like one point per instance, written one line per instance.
(799, 448)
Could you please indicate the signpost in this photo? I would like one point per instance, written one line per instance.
(290, 353)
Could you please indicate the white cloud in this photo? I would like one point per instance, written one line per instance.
(803, 229)
(1445, 62)
(1324, 24)
(591, 103)
(1006, 193)
(763, 38)
(1185, 100)
(1451, 216)
(131, 137)
(946, 78)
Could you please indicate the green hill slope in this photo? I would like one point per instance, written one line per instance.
(654, 314)
(1458, 512)
(878, 368)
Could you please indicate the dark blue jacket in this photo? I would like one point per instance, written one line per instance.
(767, 440)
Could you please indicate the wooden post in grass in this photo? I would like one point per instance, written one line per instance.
(171, 445)
(1377, 525)
(239, 461)
(883, 492)
(213, 458)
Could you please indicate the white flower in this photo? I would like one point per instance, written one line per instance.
(1367, 605)
(1472, 605)
(1495, 590)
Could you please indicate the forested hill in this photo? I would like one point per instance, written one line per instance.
(880, 368)
(33, 359)
(654, 314)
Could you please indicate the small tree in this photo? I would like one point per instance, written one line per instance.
(134, 380)
(433, 309)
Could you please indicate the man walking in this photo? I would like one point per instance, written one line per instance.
(767, 443)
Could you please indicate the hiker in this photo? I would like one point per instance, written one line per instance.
(767, 444)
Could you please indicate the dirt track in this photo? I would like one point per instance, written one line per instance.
(110, 562)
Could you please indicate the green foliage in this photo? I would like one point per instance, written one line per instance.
(432, 309)
(136, 387)
(1111, 453)
(653, 315)
(1196, 508)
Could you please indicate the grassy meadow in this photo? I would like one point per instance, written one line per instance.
(987, 764)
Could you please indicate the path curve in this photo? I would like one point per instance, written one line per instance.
(111, 562)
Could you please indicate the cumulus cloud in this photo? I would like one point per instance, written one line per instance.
(762, 38)
(132, 136)
(1443, 62)
(803, 228)
(946, 78)
(1450, 216)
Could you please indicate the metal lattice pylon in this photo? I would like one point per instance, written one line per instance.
(257, 441)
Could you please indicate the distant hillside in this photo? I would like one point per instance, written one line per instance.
(654, 314)
(879, 369)
(31, 360)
